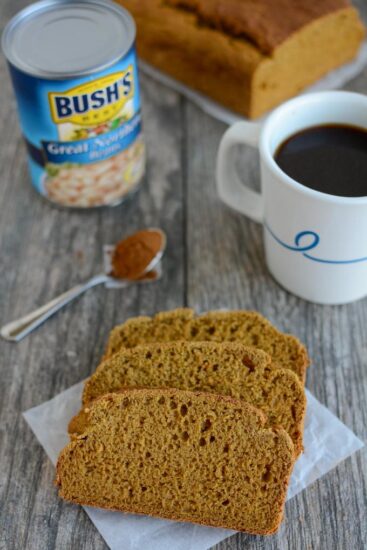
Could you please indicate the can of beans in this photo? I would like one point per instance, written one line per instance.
(74, 71)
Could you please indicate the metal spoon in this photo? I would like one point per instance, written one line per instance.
(18, 329)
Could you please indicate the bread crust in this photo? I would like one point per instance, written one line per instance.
(263, 22)
(175, 42)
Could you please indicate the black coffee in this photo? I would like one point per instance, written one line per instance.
(331, 159)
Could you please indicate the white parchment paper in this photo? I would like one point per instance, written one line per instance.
(327, 442)
(334, 79)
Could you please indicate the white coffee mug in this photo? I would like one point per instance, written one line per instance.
(315, 243)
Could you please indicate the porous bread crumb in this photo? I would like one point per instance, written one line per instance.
(224, 368)
(246, 327)
(180, 455)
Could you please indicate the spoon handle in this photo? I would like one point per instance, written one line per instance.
(16, 330)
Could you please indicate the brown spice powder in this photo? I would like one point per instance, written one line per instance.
(133, 255)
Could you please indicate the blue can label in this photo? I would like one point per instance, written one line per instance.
(84, 135)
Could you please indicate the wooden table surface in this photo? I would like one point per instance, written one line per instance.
(214, 259)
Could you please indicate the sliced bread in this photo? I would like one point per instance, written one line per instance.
(180, 455)
(247, 327)
(224, 368)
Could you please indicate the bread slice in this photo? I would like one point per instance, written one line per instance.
(227, 369)
(249, 55)
(247, 327)
(180, 455)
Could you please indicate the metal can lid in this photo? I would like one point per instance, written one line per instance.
(59, 39)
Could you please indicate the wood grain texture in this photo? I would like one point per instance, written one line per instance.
(214, 259)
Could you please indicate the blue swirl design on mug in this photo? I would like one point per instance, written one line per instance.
(313, 243)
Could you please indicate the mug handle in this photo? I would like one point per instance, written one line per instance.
(231, 190)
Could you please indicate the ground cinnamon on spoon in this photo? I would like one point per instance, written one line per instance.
(133, 255)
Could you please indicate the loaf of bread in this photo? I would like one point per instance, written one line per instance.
(246, 327)
(180, 455)
(248, 55)
(227, 369)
